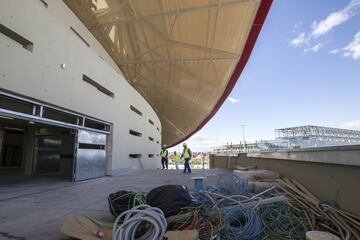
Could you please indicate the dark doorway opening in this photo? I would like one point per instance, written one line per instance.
(54, 151)
(29, 149)
(12, 148)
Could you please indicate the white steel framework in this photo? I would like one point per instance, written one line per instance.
(311, 131)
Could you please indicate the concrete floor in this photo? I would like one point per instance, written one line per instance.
(36, 208)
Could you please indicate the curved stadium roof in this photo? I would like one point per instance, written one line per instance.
(183, 56)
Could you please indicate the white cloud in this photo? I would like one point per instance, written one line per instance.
(314, 48)
(334, 51)
(233, 100)
(352, 49)
(334, 19)
(298, 41)
(297, 27)
(352, 124)
(322, 27)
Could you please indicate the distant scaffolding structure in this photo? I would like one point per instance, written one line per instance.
(316, 136)
(234, 149)
(316, 131)
(308, 136)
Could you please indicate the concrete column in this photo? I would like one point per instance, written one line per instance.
(109, 147)
(29, 150)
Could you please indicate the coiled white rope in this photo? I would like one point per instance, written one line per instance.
(131, 219)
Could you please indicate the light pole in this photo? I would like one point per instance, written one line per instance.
(243, 128)
(203, 160)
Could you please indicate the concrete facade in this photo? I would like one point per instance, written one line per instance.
(52, 73)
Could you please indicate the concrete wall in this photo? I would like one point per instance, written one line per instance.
(38, 74)
(346, 155)
(330, 182)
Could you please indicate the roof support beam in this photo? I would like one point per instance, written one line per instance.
(196, 99)
(172, 13)
(202, 48)
(168, 40)
(190, 60)
(145, 37)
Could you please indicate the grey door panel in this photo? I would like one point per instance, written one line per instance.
(90, 156)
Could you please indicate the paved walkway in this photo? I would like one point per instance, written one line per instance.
(36, 208)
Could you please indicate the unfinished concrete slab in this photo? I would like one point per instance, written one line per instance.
(36, 208)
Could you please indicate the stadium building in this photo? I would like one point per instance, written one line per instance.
(88, 87)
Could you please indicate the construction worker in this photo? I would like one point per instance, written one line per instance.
(164, 157)
(176, 159)
(187, 156)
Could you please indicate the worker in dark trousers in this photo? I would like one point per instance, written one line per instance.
(164, 157)
(186, 154)
(176, 159)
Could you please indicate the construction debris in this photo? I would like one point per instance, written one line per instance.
(182, 235)
(230, 209)
(170, 198)
(80, 227)
(318, 235)
(322, 216)
(257, 187)
(257, 175)
(124, 200)
(140, 222)
(258, 180)
(245, 168)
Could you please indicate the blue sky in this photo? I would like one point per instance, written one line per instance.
(304, 69)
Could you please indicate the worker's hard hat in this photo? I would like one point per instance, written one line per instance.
(184, 144)
(164, 145)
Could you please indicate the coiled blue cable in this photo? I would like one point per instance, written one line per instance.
(241, 223)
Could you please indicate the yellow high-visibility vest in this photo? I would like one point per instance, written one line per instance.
(163, 153)
(186, 153)
(176, 157)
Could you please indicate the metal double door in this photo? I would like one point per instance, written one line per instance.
(90, 158)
